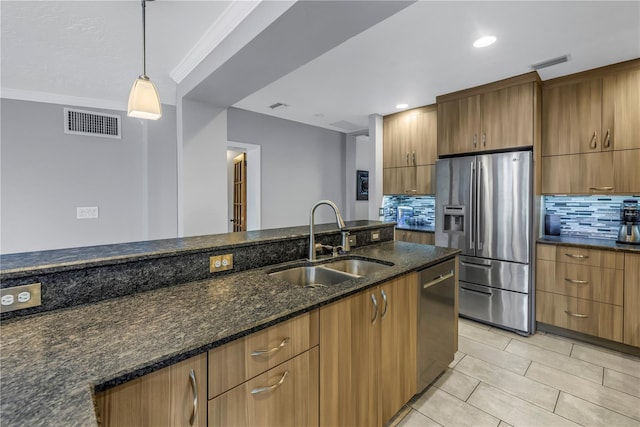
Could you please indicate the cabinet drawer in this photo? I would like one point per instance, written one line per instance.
(581, 281)
(240, 360)
(285, 396)
(588, 317)
(594, 257)
(547, 252)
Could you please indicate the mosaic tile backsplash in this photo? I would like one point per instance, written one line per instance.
(596, 217)
(424, 209)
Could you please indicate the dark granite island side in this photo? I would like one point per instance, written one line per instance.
(51, 363)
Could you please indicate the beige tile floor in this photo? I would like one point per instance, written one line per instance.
(499, 378)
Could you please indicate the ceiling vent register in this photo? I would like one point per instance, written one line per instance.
(80, 122)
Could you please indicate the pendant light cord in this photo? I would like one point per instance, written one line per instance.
(144, 41)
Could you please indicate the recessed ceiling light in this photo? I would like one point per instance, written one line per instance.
(484, 41)
(401, 106)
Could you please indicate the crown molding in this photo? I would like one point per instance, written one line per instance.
(233, 15)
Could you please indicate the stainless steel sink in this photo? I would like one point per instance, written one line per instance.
(331, 273)
(314, 276)
(359, 267)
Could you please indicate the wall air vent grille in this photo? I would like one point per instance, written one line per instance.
(80, 122)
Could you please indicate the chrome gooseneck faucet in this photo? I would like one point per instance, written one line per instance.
(339, 222)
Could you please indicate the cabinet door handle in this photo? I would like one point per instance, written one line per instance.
(386, 304)
(407, 157)
(594, 140)
(578, 315)
(475, 139)
(410, 191)
(601, 188)
(413, 158)
(375, 308)
(439, 279)
(607, 139)
(578, 256)
(269, 388)
(194, 390)
(271, 350)
(576, 282)
(484, 139)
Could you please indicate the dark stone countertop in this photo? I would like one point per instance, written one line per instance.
(52, 362)
(589, 243)
(18, 264)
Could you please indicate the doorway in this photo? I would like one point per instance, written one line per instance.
(243, 184)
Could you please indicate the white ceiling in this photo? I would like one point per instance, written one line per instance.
(91, 50)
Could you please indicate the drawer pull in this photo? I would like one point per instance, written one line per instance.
(576, 282)
(269, 388)
(578, 315)
(607, 188)
(271, 350)
(577, 256)
(194, 390)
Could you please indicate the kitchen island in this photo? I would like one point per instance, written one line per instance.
(52, 363)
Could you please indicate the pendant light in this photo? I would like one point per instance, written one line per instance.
(144, 101)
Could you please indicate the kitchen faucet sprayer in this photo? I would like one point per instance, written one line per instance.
(339, 222)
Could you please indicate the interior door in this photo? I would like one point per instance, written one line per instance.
(504, 206)
(240, 193)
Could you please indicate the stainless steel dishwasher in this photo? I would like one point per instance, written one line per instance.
(436, 321)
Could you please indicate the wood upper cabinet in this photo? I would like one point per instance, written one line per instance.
(458, 125)
(367, 354)
(410, 151)
(632, 299)
(621, 110)
(571, 118)
(162, 398)
(492, 117)
(591, 131)
(409, 138)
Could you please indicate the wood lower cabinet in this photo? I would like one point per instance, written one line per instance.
(367, 354)
(284, 396)
(583, 290)
(269, 378)
(632, 299)
(415, 237)
(161, 398)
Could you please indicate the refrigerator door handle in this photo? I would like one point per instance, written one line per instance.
(479, 207)
(472, 243)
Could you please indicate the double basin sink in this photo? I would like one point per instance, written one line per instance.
(330, 273)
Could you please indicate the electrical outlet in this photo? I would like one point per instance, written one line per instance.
(353, 241)
(19, 297)
(380, 211)
(87, 212)
(220, 263)
(375, 235)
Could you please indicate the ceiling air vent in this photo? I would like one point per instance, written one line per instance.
(278, 105)
(550, 62)
(80, 122)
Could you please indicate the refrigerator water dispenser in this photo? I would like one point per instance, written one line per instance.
(453, 218)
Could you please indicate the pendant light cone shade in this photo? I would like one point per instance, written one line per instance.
(144, 101)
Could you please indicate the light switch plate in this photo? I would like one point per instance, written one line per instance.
(87, 212)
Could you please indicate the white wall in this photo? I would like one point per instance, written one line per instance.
(300, 165)
(362, 163)
(46, 174)
(204, 169)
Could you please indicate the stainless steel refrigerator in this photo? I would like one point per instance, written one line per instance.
(484, 207)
